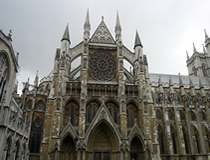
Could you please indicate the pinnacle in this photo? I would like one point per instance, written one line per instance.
(117, 20)
(66, 34)
(180, 81)
(206, 36)
(137, 40)
(187, 55)
(170, 82)
(194, 49)
(160, 81)
(87, 20)
(191, 83)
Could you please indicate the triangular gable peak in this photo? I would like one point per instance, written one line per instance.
(102, 34)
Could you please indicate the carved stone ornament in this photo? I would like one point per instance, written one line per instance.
(102, 65)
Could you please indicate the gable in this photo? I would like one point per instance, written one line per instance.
(102, 34)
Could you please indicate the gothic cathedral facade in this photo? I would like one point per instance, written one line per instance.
(100, 110)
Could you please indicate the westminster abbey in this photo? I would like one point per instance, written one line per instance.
(102, 111)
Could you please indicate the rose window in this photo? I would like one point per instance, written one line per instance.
(102, 65)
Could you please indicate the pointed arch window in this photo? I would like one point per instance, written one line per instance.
(17, 146)
(170, 115)
(115, 115)
(158, 115)
(182, 116)
(36, 136)
(193, 117)
(131, 118)
(89, 115)
(72, 116)
(94, 111)
(197, 140)
(203, 116)
(173, 137)
(110, 110)
(29, 106)
(160, 139)
(207, 135)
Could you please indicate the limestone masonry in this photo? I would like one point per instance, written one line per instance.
(102, 111)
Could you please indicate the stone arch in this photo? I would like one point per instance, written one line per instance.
(137, 147)
(113, 100)
(94, 99)
(132, 101)
(17, 149)
(72, 98)
(67, 147)
(196, 142)
(29, 104)
(103, 141)
(174, 139)
(40, 105)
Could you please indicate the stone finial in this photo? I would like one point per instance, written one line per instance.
(180, 81)
(194, 49)
(204, 50)
(137, 41)
(200, 83)
(187, 55)
(66, 34)
(102, 18)
(160, 81)
(170, 82)
(17, 57)
(36, 79)
(10, 33)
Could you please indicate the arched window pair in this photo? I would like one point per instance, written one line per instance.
(132, 114)
(92, 108)
(36, 136)
(158, 115)
(71, 113)
(113, 110)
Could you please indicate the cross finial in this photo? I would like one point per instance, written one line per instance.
(102, 18)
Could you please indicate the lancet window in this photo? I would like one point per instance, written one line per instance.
(36, 136)
(185, 140)
(71, 113)
(173, 137)
(113, 110)
(132, 114)
(161, 140)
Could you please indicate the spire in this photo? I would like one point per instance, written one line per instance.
(206, 36)
(187, 55)
(27, 84)
(204, 50)
(194, 49)
(118, 28)
(200, 83)
(117, 21)
(180, 81)
(66, 34)
(87, 20)
(137, 40)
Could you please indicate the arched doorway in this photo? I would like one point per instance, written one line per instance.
(102, 143)
(68, 149)
(136, 149)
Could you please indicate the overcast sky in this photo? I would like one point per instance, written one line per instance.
(167, 28)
